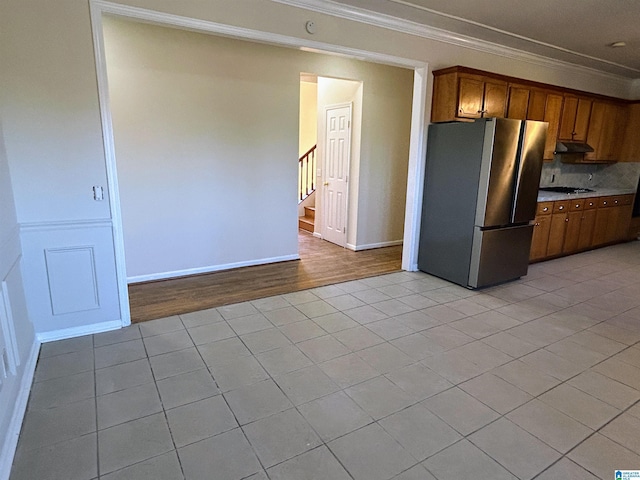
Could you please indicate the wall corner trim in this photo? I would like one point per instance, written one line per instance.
(20, 407)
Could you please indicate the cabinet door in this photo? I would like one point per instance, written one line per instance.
(600, 227)
(537, 102)
(624, 222)
(631, 142)
(552, 113)
(595, 133)
(518, 103)
(470, 95)
(556, 234)
(572, 232)
(581, 126)
(569, 112)
(611, 136)
(495, 100)
(540, 237)
(612, 224)
(587, 225)
(575, 119)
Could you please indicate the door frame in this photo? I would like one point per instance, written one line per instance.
(323, 159)
(417, 143)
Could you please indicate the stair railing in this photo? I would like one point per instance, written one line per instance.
(307, 174)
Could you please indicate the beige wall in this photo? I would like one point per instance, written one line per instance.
(308, 116)
(50, 110)
(206, 132)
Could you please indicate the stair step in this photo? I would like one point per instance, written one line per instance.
(306, 223)
(310, 212)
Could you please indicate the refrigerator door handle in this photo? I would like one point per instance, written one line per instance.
(529, 167)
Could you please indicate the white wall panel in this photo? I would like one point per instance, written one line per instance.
(70, 270)
(72, 279)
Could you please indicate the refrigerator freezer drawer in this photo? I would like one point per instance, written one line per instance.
(499, 255)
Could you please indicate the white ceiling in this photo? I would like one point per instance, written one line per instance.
(576, 31)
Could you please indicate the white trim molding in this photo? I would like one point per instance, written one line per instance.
(210, 269)
(370, 246)
(73, 332)
(376, 19)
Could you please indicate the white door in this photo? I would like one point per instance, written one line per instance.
(337, 155)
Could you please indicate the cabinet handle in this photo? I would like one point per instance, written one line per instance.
(577, 205)
(483, 111)
(604, 203)
(561, 207)
(591, 204)
(545, 209)
(566, 219)
(615, 201)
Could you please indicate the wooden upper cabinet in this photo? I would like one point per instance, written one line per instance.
(518, 103)
(470, 97)
(466, 96)
(608, 124)
(574, 123)
(630, 151)
(606, 129)
(479, 97)
(495, 99)
(537, 106)
(552, 113)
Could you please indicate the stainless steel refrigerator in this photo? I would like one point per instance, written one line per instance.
(480, 194)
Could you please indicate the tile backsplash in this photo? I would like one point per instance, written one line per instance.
(623, 175)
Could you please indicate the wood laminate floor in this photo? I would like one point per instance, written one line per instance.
(322, 263)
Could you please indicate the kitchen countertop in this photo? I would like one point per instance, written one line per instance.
(597, 192)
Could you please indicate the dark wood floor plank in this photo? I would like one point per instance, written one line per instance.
(322, 263)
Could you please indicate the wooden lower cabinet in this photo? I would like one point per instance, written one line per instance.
(572, 232)
(564, 227)
(587, 225)
(556, 234)
(540, 238)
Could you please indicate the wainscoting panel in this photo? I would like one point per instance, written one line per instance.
(70, 270)
(18, 349)
(72, 279)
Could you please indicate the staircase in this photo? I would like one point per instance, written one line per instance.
(306, 186)
(307, 222)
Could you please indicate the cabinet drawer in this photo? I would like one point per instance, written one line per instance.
(623, 200)
(544, 208)
(561, 206)
(577, 205)
(604, 202)
(590, 203)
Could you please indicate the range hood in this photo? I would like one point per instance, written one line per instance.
(563, 148)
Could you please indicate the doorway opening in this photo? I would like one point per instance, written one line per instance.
(416, 143)
(329, 144)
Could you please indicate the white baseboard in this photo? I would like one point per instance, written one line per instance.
(13, 432)
(210, 269)
(414, 268)
(65, 333)
(317, 235)
(369, 246)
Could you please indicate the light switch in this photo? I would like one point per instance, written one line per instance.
(98, 193)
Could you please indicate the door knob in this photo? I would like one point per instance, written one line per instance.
(326, 184)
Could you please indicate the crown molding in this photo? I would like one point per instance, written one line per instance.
(361, 15)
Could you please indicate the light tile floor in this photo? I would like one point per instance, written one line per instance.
(400, 376)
